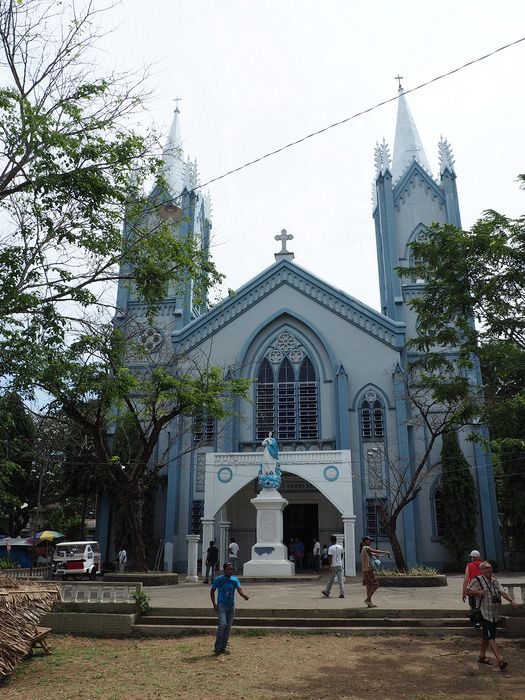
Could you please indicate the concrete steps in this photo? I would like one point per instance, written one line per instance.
(177, 622)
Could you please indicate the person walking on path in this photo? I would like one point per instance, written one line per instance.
(471, 571)
(226, 585)
(212, 557)
(488, 590)
(233, 553)
(335, 567)
(368, 564)
(316, 553)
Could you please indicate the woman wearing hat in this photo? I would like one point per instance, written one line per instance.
(471, 571)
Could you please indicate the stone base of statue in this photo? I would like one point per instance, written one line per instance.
(269, 555)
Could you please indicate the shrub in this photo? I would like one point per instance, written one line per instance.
(419, 570)
(143, 600)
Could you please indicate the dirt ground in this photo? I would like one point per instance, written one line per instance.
(266, 666)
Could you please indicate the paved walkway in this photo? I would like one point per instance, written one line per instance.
(307, 595)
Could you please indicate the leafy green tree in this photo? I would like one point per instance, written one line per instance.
(436, 404)
(91, 384)
(473, 299)
(459, 498)
(16, 460)
(69, 164)
(471, 317)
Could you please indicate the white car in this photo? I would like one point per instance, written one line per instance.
(77, 559)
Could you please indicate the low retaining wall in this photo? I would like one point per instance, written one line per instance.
(155, 578)
(39, 572)
(98, 592)
(90, 624)
(412, 581)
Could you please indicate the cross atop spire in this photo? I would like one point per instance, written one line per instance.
(408, 146)
(177, 100)
(284, 236)
(399, 78)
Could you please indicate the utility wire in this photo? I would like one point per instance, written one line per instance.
(358, 114)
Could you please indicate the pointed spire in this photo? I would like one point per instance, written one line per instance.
(407, 145)
(173, 155)
(382, 158)
(446, 157)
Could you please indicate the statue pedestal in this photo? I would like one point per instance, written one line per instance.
(269, 555)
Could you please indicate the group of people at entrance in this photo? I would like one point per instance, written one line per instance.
(314, 559)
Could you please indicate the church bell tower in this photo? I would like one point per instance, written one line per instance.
(408, 199)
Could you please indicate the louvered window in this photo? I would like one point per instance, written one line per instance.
(265, 419)
(286, 403)
(203, 430)
(307, 401)
(372, 425)
(439, 514)
(288, 406)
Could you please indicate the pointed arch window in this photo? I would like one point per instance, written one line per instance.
(438, 512)
(265, 400)
(372, 418)
(420, 234)
(287, 392)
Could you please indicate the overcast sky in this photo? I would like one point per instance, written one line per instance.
(256, 74)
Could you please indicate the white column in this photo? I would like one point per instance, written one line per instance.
(349, 532)
(168, 557)
(269, 555)
(193, 542)
(207, 536)
(224, 538)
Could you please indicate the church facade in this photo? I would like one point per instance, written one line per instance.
(327, 375)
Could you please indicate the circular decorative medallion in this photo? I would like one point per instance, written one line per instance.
(296, 355)
(371, 396)
(331, 473)
(151, 339)
(275, 356)
(286, 342)
(224, 475)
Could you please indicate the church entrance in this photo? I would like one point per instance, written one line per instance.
(301, 520)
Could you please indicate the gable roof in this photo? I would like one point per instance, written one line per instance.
(281, 273)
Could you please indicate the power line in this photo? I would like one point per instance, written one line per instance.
(358, 114)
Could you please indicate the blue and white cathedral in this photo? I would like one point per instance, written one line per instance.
(327, 379)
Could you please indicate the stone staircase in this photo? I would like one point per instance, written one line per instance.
(172, 622)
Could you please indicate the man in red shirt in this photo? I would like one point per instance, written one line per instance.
(471, 571)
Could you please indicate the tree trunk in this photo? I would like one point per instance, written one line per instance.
(132, 504)
(399, 557)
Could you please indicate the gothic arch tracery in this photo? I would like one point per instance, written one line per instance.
(287, 391)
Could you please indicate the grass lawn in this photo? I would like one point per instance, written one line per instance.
(266, 667)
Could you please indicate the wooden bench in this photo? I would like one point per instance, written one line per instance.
(39, 640)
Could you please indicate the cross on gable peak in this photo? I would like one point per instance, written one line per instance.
(284, 236)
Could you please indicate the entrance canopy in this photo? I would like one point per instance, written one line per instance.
(330, 472)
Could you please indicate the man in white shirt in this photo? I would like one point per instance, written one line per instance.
(335, 567)
(233, 551)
